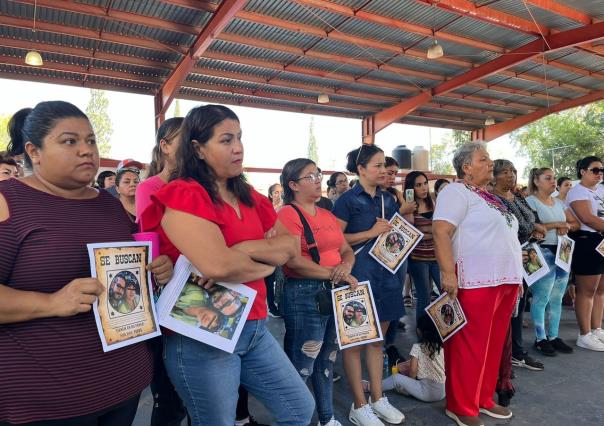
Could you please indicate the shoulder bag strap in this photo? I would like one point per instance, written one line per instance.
(308, 235)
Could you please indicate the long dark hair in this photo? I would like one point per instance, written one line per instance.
(410, 184)
(33, 125)
(166, 131)
(428, 335)
(199, 125)
(291, 172)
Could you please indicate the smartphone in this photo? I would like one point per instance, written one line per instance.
(409, 195)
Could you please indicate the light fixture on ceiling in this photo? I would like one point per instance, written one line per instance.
(33, 57)
(489, 121)
(435, 51)
(323, 98)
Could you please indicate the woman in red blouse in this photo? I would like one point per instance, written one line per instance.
(224, 227)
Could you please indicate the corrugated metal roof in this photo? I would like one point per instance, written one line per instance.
(542, 16)
(296, 62)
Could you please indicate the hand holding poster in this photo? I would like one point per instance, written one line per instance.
(392, 248)
(357, 322)
(564, 252)
(124, 312)
(214, 315)
(447, 316)
(533, 262)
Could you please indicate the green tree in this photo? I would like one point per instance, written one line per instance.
(459, 137)
(441, 155)
(559, 140)
(96, 110)
(4, 138)
(313, 147)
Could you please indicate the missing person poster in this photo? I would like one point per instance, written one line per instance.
(213, 314)
(564, 252)
(393, 247)
(533, 262)
(447, 316)
(600, 248)
(124, 312)
(357, 322)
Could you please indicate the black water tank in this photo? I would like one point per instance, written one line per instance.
(402, 155)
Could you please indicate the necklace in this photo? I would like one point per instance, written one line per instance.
(493, 202)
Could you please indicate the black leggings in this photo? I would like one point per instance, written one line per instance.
(121, 414)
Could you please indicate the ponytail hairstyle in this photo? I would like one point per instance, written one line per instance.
(199, 125)
(410, 184)
(291, 173)
(360, 157)
(33, 125)
(166, 131)
(583, 164)
(533, 175)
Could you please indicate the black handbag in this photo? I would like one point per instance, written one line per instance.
(323, 296)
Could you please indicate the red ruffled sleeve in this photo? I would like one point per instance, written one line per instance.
(185, 196)
(265, 209)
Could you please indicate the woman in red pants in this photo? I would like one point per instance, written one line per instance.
(481, 264)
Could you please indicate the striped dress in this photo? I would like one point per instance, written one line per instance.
(55, 368)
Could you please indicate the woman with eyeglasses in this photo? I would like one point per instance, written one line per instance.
(338, 183)
(363, 213)
(310, 335)
(586, 199)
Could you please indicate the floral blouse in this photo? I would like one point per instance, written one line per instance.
(523, 213)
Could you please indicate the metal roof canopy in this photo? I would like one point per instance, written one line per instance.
(513, 60)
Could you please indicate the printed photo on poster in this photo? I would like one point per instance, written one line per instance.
(533, 262)
(356, 318)
(125, 312)
(564, 252)
(392, 248)
(447, 316)
(213, 315)
(600, 248)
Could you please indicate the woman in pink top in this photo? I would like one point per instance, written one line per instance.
(162, 164)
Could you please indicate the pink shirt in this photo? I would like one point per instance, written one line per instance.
(144, 190)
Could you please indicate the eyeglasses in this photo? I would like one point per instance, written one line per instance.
(312, 178)
(342, 182)
(596, 170)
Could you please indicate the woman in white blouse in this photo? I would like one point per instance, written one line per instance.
(477, 249)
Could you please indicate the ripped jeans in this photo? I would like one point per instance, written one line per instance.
(310, 340)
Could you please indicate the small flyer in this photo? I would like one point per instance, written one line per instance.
(214, 316)
(125, 312)
(447, 316)
(533, 262)
(357, 322)
(564, 252)
(600, 248)
(392, 248)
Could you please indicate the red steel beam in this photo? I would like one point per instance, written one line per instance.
(492, 132)
(552, 42)
(221, 18)
(562, 10)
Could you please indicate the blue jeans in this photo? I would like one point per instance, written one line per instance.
(548, 292)
(421, 271)
(310, 341)
(207, 378)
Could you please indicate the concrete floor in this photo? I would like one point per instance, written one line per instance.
(568, 392)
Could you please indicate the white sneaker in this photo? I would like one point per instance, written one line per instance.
(364, 416)
(598, 333)
(332, 422)
(385, 411)
(591, 342)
